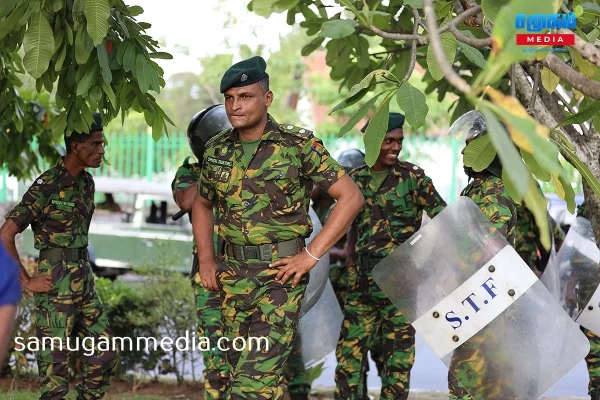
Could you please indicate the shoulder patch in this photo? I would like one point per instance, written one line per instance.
(296, 131)
(415, 169)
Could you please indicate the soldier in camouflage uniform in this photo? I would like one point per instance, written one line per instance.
(397, 193)
(59, 207)
(487, 190)
(204, 125)
(593, 357)
(259, 176)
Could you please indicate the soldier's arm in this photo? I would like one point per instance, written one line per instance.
(185, 185)
(185, 197)
(429, 198)
(35, 283)
(497, 212)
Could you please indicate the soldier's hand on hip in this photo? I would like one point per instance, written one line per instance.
(297, 265)
(38, 283)
(208, 276)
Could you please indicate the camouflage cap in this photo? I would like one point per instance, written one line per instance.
(244, 73)
(395, 120)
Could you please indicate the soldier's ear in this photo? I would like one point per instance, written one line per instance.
(268, 98)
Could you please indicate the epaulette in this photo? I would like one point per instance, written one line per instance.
(217, 137)
(296, 131)
(415, 169)
(357, 170)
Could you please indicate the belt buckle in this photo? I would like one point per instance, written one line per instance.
(238, 252)
(251, 252)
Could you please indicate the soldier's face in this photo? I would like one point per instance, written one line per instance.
(247, 106)
(390, 149)
(91, 151)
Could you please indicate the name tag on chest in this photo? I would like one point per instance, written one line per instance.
(63, 205)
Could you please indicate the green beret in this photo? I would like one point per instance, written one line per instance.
(244, 73)
(396, 120)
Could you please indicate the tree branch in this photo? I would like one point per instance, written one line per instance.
(468, 40)
(587, 50)
(423, 39)
(536, 85)
(576, 80)
(513, 88)
(413, 47)
(434, 37)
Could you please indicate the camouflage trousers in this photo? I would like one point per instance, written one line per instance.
(72, 315)
(208, 312)
(339, 281)
(294, 373)
(253, 306)
(370, 317)
(593, 361)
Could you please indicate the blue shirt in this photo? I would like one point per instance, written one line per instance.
(10, 288)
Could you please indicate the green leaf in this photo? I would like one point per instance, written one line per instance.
(97, 13)
(359, 90)
(376, 130)
(83, 46)
(134, 11)
(38, 45)
(510, 187)
(414, 3)
(13, 21)
(161, 55)
(537, 204)
(491, 8)
(103, 60)
(338, 28)
(534, 166)
(312, 46)
(129, 57)
(348, 4)
(412, 102)
(449, 47)
(479, 153)
(142, 73)
(110, 94)
(549, 80)
(473, 54)
(582, 115)
(510, 158)
(157, 128)
(89, 78)
(61, 58)
(359, 115)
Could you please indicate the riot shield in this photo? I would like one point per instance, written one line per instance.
(319, 275)
(480, 308)
(574, 278)
(320, 327)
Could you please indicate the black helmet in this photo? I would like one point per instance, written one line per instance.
(204, 125)
(351, 158)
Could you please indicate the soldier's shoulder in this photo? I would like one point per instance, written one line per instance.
(48, 177)
(296, 131)
(218, 138)
(358, 170)
(412, 168)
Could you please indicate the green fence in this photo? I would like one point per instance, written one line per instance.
(136, 155)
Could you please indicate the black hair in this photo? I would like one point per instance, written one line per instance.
(264, 84)
(75, 137)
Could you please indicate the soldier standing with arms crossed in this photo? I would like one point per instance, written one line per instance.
(59, 207)
(259, 175)
(396, 193)
(204, 125)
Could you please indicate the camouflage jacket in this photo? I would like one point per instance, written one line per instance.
(186, 175)
(527, 236)
(267, 202)
(58, 207)
(393, 213)
(488, 192)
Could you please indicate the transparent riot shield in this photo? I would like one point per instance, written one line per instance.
(320, 327)
(319, 275)
(480, 308)
(573, 276)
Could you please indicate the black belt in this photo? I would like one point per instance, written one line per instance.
(73, 255)
(368, 262)
(264, 252)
